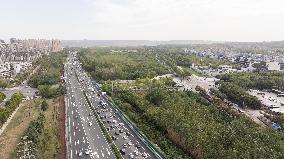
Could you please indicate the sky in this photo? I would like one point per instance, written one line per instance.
(218, 20)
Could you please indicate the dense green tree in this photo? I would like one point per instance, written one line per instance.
(238, 95)
(10, 106)
(4, 83)
(2, 97)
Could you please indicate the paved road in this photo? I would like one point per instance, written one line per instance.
(26, 90)
(84, 140)
(128, 142)
(23, 88)
(190, 82)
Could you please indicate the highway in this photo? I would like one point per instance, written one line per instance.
(84, 136)
(130, 144)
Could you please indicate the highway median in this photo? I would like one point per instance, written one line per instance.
(105, 133)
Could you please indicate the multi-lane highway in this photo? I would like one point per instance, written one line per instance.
(85, 133)
(84, 136)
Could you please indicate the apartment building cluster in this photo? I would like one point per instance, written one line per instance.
(17, 54)
(27, 50)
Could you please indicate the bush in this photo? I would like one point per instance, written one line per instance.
(2, 97)
(44, 105)
(10, 106)
(47, 91)
(237, 95)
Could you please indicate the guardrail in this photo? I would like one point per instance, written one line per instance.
(142, 137)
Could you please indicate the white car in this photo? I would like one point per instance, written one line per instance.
(80, 153)
(87, 152)
(129, 143)
(136, 152)
(131, 155)
(90, 124)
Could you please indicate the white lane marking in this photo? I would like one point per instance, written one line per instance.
(102, 153)
(108, 151)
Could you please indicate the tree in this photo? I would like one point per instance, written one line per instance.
(44, 105)
(260, 66)
(4, 83)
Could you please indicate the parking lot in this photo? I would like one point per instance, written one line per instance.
(269, 99)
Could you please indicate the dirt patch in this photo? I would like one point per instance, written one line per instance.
(61, 122)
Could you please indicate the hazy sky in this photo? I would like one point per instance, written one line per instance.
(230, 20)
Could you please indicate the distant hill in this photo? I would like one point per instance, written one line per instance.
(122, 43)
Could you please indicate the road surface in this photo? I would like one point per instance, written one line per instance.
(85, 139)
(127, 139)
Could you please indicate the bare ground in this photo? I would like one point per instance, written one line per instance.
(14, 131)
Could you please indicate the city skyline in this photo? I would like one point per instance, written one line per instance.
(216, 20)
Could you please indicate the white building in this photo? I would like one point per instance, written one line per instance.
(273, 66)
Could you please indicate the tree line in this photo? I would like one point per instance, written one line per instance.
(102, 64)
(49, 75)
(199, 129)
(10, 106)
(2, 97)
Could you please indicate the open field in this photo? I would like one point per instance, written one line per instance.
(28, 111)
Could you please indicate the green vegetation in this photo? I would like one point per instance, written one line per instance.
(116, 152)
(47, 91)
(4, 83)
(44, 105)
(218, 94)
(10, 106)
(234, 85)
(257, 80)
(2, 97)
(171, 118)
(175, 56)
(11, 136)
(49, 74)
(184, 124)
(31, 136)
(102, 64)
(50, 145)
(238, 95)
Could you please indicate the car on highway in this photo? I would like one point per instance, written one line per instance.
(138, 145)
(145, 155)
(122, 151)
(129, 143)
(131, 155)
(80, 153)
(87, 152)
(136, 152)
(114, 138)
